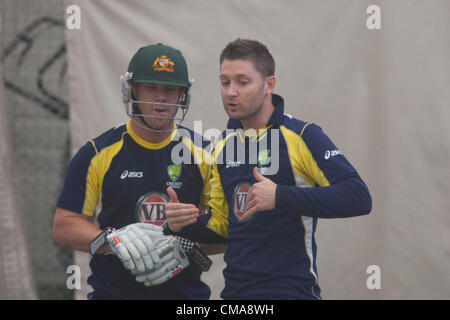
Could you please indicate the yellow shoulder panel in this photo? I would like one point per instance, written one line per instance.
(203, 159)
(302, 161)
(218, 205)
(217, 201)
(98, 167)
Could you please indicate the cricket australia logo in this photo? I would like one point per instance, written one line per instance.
(263, 157)
(239, 200)
(263, 160)
(150, 208)
(174, 172)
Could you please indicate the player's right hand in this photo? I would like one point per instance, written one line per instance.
(179, 215)
(134, 246)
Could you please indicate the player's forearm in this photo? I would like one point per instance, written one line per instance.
(76, 235)
(198, 232)
(347, 198)
(75, 232)
(212, 249)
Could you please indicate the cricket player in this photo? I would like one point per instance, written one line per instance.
(120, 179)
(273, 177)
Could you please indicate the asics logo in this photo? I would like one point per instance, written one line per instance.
(131, 174)
(232, 164)
(331, 153)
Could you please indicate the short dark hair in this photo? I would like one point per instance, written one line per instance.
(250, 50)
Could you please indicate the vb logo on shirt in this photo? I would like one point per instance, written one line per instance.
(150, 208)
(239, 200)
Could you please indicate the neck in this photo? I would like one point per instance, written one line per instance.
(260, 119)
(148, 135)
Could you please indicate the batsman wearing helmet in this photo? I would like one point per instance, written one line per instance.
(120, 178)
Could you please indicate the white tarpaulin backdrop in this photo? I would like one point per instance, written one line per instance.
(381, 95)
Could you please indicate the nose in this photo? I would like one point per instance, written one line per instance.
(161, 95)
(231, 90)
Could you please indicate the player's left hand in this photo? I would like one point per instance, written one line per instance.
(172, 261)
(261, 196)
(179, 215)
(133, 245)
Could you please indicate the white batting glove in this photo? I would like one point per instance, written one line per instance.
(172, 261)
(134, 246)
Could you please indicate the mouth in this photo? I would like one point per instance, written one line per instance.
(161, 112)
(232, 106)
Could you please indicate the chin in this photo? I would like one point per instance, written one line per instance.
(234, 115)
(159, 126)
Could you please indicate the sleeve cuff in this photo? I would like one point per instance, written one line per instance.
(281, 198)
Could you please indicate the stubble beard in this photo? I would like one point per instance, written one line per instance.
(255, 106)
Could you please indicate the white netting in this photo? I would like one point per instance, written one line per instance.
(35, 148)
(16, 281)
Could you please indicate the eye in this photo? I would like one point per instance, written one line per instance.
(149, 88)
(170, 89)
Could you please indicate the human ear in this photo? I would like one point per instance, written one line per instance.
(270, 84)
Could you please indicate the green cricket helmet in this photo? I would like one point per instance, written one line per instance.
(159, 64)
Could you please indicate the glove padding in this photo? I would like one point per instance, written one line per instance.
(172, 261)
(134, 245)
